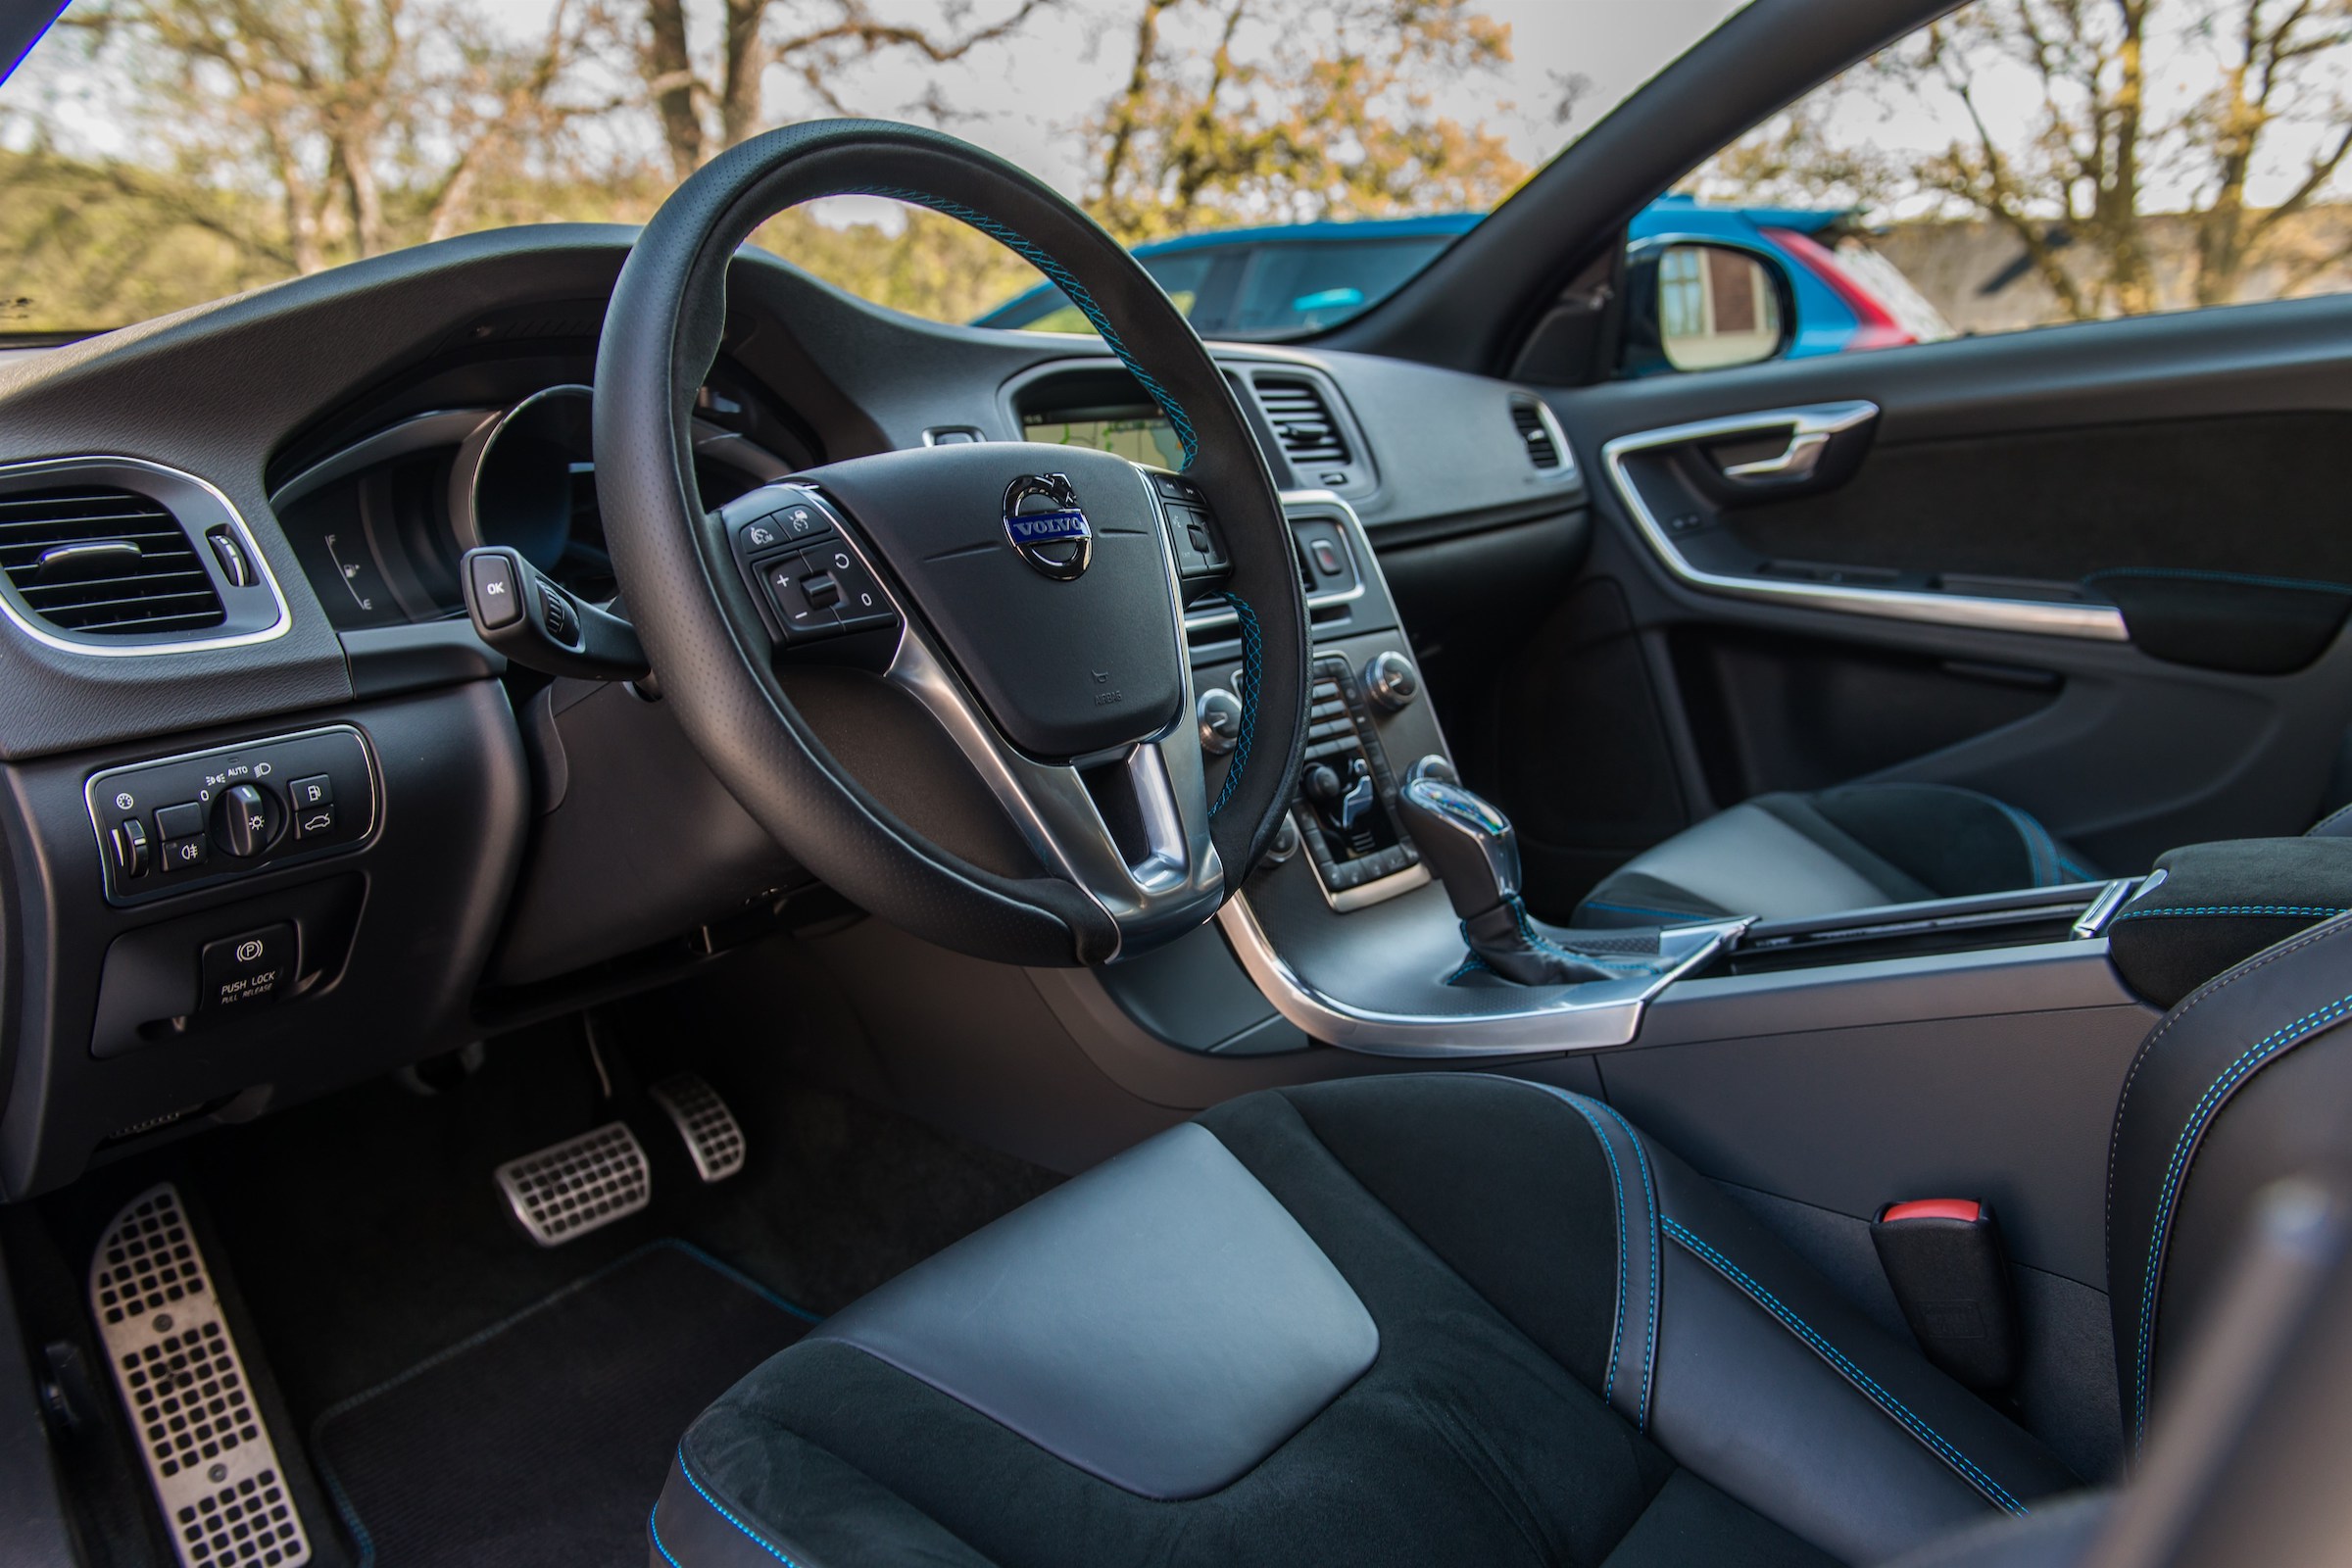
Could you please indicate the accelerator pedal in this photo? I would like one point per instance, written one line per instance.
(215, 1470)
(713, 1137)
(577, 1186)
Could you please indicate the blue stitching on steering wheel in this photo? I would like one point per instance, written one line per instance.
(1253, 670)
(1041, 259)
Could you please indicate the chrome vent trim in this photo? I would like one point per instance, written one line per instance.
(259, 613)
(1303, 420)
(99, 561)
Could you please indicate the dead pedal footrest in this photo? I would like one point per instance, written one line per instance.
(209, 1454)
(713, 1137)
(577, 1186)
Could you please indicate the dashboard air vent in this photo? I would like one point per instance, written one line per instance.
(1542, 450)
(1301, 420)
(104, 562)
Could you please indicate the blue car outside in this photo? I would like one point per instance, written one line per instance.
(1292, 279)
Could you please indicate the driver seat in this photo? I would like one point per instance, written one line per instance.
(1458, 1318)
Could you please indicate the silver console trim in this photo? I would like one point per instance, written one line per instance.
(1593, 1017)
(1349, 523)
(1811, 427)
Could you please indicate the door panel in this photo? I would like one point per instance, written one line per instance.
(2000, 471)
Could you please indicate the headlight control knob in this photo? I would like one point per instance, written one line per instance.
(1220, 721)
(1391, 681)
(247, 819)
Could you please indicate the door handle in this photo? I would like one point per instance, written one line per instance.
(1798, 461)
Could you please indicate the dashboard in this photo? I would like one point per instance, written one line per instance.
(421, 845)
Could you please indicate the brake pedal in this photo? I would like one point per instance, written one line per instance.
(577, 1186)
(713, 1137)
(209, 1453)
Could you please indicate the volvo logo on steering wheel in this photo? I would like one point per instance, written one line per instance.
(1046, 528)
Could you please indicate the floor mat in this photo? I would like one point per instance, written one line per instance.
(544, 1439)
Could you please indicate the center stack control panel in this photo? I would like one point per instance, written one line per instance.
(207, 818)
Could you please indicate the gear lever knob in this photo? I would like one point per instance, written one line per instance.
(1466, 841)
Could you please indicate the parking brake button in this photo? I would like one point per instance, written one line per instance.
(248, 972)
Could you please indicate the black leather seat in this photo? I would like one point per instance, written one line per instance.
(1787, 856)
(1464, 1319)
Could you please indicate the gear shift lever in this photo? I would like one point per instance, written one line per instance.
(1470, 845)
(1465, 841)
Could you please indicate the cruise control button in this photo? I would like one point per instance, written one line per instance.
(802, 619)
(822, 591)
(800, 522)
(862, 601)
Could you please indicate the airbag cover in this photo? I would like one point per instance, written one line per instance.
(1065, 668)
(1160, 1322)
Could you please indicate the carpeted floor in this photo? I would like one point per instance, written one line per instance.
(540, 1441)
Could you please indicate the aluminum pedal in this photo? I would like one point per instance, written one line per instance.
(215, 1470)
(577, 1186)
(713, 1137)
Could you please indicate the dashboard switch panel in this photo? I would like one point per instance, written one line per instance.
(217, 815)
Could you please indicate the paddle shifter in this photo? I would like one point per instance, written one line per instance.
(1468, 843)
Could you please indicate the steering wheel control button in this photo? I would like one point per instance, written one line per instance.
(248, 972)
(497, 595)
(1391, 682)
(248, 819)
(181, 822)
(802, 615)
(862, 603)
(822, 591)
(1220, 721)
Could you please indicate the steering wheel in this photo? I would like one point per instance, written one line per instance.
(1030, 596)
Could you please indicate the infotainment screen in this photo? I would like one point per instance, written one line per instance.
(1140, 435)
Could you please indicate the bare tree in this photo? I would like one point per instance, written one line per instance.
(707, 108)
(1294, 111)
(2071, 183)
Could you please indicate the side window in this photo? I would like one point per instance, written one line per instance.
(2019, 163)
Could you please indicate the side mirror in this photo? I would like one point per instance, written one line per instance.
(1695, 304)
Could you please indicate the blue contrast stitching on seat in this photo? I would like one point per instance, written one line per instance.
(1637, 909)
(1576, 1104)
(1650, 1197)
(1063, 278)
(653, 1523)
(2201, 1115)
(1253, 670)
(2311, 909)
(1838, 1358)
(720, 1510)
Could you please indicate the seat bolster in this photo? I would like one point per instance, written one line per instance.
(2220, 1093)
(790, 1503)
(1773, 1389)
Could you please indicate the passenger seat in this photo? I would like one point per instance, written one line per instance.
(1787, 856)
(1784, 856)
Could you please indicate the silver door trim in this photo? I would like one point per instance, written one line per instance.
(2095, 622)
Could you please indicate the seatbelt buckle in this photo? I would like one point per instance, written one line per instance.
(1944, 1259)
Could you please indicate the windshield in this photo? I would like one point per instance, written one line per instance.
(1279, 167)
